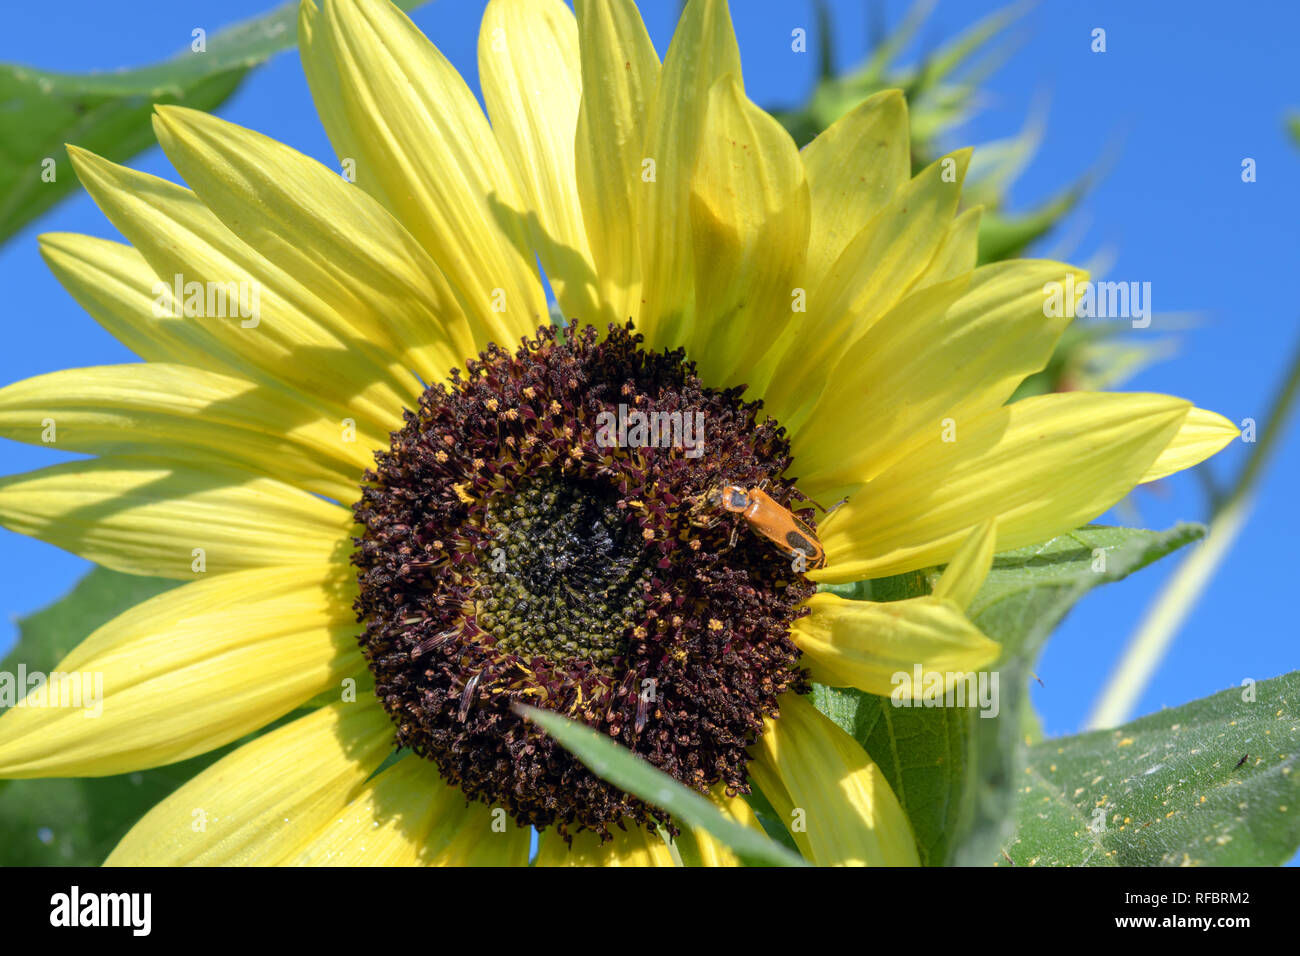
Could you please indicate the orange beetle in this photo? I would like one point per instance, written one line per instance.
(772, 521)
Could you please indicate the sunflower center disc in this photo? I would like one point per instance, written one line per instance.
(511, 553)
(572, 572)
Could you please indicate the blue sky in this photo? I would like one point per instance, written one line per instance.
(1176, 102)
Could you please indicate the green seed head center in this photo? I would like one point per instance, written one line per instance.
(568, 573)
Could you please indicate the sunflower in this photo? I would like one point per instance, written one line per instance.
(377, 461)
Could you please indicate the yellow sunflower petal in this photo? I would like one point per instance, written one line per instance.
(620, 71)
(327, 95)
(149, 516)
(256, 806)
(830, 455)
(823, 785)
(959, 251)
(867, 645)
(474, 835)
(114, 284)
(390, 298)
(424, 149)
(880, 263)
(1041, 466)
(1203, 433)
(186, 672)
(952, 350)
(749, 231)
(532, 84)
(190, 414)
(407, 816)
(703, 50)
(965, 574)
(876, 270)
(635, 846)
(117, 287)
(854, 167)
(281, 327)
(386, 824)
(709, 851)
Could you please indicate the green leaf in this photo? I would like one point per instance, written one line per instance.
(110, 113)
(1027, 594)
(609, 761)
(1215, 782)
(1029, 590)
(953, 770)
(43, 111)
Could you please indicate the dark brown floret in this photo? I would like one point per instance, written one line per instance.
(508, 556)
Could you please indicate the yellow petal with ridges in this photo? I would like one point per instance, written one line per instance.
(407, 816)
(327, 95)
(427, 152)
(854, 168)
(386, 824)
(257, 805)
(112, 282)
(867, 645)
(1203, 434)
(1042, 466)
(635, 846)
(703, 50)
(393, 301)
(749, 232)
(148, 516)
(281, 329)
(880, 264)
(116, 286)
(877, 269)
(188, 671)
(708, 850)
(949, 351)
(532, 84)
(850, 817)
(190, 414)
(620, 72)
(965, 573)
(474, 835)
(831, 456)
(959, 251)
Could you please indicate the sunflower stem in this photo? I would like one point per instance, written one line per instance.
(1149, 644)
